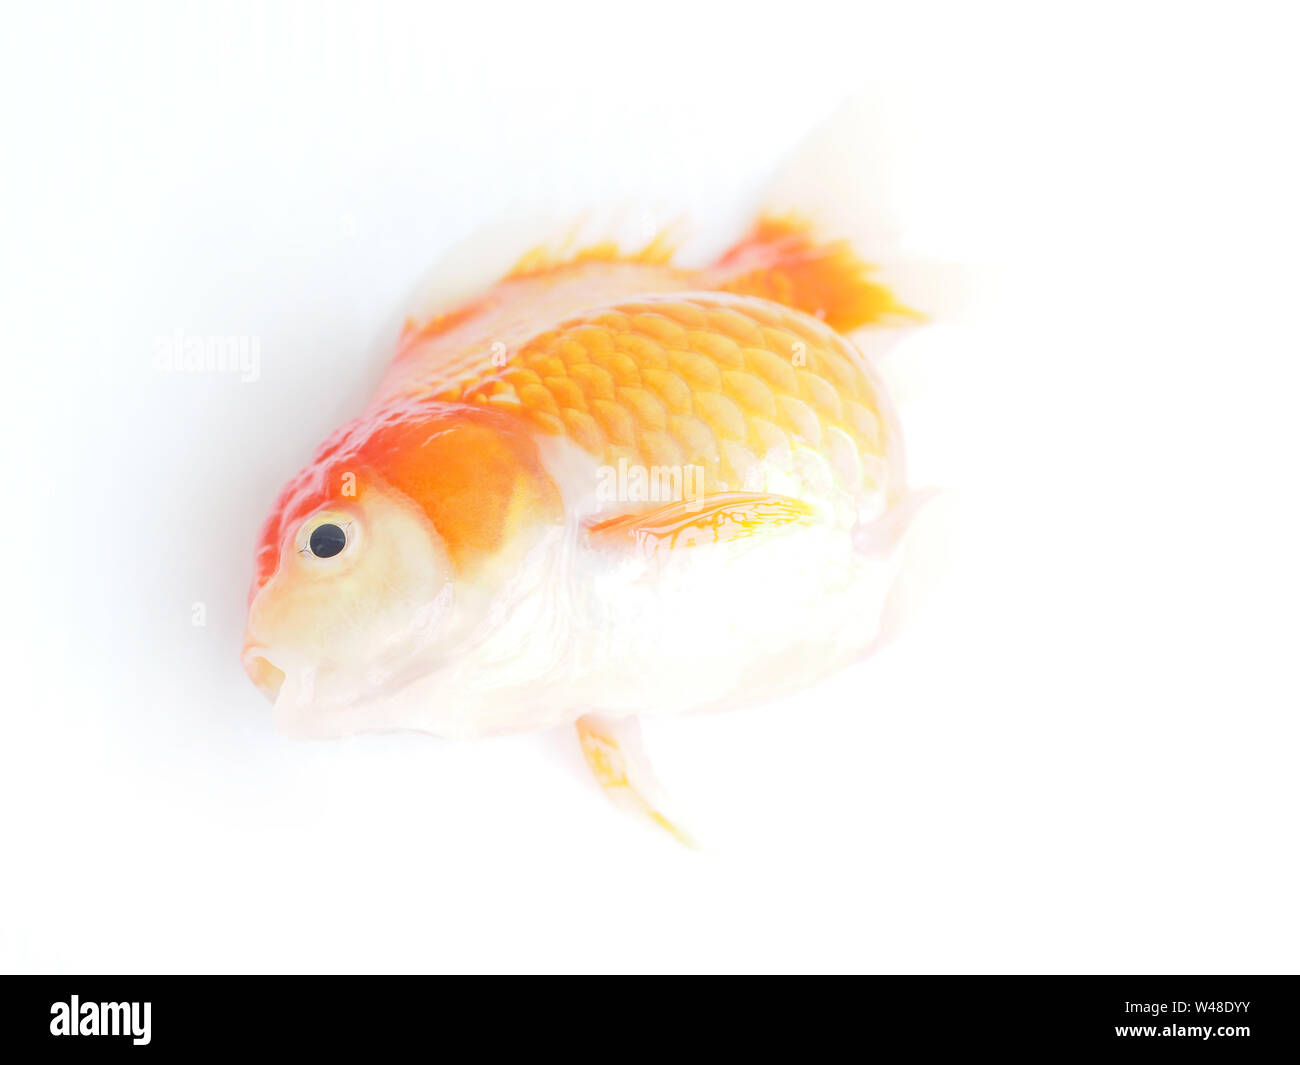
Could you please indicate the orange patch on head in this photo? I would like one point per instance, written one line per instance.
(474, 473)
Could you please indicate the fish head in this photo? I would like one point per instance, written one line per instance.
(378, 561)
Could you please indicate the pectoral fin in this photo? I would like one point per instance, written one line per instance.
(711, 519)
(616, 755)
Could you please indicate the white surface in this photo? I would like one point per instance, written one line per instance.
(1079, 757)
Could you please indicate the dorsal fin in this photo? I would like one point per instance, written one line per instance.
(657, 251)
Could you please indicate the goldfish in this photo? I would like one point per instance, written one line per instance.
(605, 487)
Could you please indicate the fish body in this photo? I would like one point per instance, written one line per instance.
(603, 488)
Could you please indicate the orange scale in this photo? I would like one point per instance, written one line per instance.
(819, 394)
(660, 449)
(538, 398)
(685, 313)
(584, 429)
(669, 387)
(658, 327)
(721, 349)
(645, 350)
(593, 338)
(723, 416)
(697, 439)
(566, 392)
(622, 366)
(802, 419)
(596, 381)
(774, 366)
(616, 420)
(646, 407)
(700, 371)
(547, 365)
(750, 392)
(737, 326)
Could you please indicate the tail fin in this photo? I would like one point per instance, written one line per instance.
(846, 183)
(781, 260)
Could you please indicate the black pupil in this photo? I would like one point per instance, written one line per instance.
(327, 540)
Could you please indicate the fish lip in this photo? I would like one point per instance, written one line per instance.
(289, 716)
(267, 677)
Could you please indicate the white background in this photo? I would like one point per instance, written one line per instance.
(1079, 757)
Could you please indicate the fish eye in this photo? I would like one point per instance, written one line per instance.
(327, 534)
(327, 540)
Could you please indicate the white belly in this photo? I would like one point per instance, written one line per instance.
(691, 629)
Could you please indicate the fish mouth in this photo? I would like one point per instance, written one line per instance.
(266, 677)
(296, 710)
(302, 708)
